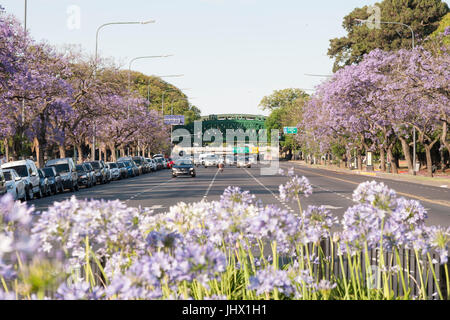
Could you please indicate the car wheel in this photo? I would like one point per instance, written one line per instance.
(39, 194)
(77, 187)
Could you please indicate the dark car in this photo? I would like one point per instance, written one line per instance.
(100, 172)
(54, 179)
(123, 170)
(84, 178)
(46, 190)
(66, 169)
(91, 173)
(183, 167)
(2, 183)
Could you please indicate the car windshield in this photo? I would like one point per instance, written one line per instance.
(137, 161)
(48, 172)
(183, 163)
(113, 166)
(88, 167)
(8, 176)
(127, 163)
(80, 168)
(96, 165)
(61, 168)
(41, 175)
(120, 165)
(21, 170)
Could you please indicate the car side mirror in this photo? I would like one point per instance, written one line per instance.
(18, 179)
(34, 174)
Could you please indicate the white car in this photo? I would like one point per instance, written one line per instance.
(28, 171)
(15, 186)
(211, 161)
(243, 162)
(114, 169)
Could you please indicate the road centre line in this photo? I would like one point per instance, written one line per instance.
(441, 203)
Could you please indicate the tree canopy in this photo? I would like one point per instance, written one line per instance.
(423, 16)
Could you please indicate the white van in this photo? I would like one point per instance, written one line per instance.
(28, 171)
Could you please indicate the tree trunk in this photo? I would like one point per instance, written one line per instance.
(429, 160)
(407, 151)
(80, 154)
(122, 152)
(39, 152)
(113, 152)
(444, 140)
(6, 142)
(383, 159)
(359, 158)
(394, 168)
(62, 151)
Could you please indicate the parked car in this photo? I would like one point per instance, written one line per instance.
(123, 170)
(159, 163)
(100, 172)
(3, 189)
(91, 173)
(84, 177)
(108, 172)
(115, 171)
(133, 170)
(152, 164)
(28, 171)
(46, 190)
(183, 167)
(15, 185)
(54, 179)
(68, 172)
(139, 161)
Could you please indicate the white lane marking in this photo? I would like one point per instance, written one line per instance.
(273, 194)
(156, 207)
(210, 185)
(148, 190)
(332, 208)
(444, 186)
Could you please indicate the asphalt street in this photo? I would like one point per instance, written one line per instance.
(159, 191)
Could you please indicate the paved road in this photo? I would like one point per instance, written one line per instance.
(159, 190)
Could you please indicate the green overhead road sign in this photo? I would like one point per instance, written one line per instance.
(290, 130)
(241, 150)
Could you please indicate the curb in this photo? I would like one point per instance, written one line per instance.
(445, 184)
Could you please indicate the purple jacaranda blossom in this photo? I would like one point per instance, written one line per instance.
(163, 239)
(267, 280)
(294, 188)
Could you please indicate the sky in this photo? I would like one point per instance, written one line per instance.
(231, 53)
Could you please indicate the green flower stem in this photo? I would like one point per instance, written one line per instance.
(347, 296)
(422, 285)
(405, 291)
(434, 276)
(368, 269)
(447, 280)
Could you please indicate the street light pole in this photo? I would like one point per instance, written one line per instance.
(95, 67)
(129, 71)
(413, 47)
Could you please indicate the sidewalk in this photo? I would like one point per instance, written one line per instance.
(435, 182)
